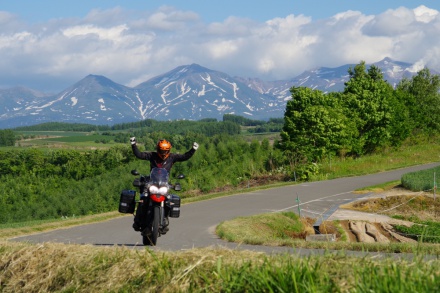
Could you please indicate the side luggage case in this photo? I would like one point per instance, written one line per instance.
(174, 206)
(127, 202)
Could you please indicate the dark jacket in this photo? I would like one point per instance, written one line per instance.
(156, 161)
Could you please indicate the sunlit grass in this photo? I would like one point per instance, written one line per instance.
(386, 160)
(380, 187)
(53, 267)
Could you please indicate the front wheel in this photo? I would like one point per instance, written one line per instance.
(151, 238)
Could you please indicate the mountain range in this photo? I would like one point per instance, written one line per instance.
(190, 92)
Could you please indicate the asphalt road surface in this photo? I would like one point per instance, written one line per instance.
(197, 222)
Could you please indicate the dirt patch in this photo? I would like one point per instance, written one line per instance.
(350, 236)
(362, 231)
(370, 220)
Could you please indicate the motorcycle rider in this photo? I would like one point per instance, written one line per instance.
(161, 158)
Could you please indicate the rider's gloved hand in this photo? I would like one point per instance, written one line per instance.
(133, 140)
(195, 145)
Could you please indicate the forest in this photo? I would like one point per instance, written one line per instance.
(368, 116)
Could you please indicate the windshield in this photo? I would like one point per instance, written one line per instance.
(159, 177)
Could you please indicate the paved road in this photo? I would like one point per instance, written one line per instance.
(195, 227)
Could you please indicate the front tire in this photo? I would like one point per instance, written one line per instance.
(150, 237)
(155, 225)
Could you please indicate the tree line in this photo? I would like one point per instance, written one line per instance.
(207, 126)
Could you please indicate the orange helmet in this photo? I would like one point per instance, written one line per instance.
(163, 148)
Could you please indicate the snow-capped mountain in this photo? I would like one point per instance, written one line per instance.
(189, 92)
(195, 92)
(332, 79)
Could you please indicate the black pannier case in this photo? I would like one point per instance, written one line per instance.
(127, 202)
(174, 206)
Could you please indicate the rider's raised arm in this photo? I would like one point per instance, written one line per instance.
(187, 155)
(139, 154)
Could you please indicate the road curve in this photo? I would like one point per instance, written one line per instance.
(195, 227)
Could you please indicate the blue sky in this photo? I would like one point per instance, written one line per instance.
(43, 10)
(48, 45)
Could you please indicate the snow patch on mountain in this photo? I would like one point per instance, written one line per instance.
(48, 104)
(102, 104)
(141, 108)
(209, 81)
(234, 88)
(202, 92)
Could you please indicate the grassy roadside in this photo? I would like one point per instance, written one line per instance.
(25, 228)
(386, 160)
(54, 267)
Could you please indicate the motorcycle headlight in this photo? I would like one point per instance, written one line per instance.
(153, 189)
(163, 190)
(158, 190)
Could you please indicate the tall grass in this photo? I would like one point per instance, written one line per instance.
(75, 268)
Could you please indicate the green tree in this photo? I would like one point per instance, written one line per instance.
(402, 124)
(7, 137)
(369, 102)
(422, 98)
(314, 126)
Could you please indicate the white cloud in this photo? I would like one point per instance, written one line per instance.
(130, 47)
(392, 22)
(232, 26)
(169, 19)
(113, 33)
(425, 14)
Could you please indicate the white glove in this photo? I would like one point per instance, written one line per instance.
(195, 145)
(133, 140)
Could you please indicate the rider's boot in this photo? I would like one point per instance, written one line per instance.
(136, 227)
(137, 224)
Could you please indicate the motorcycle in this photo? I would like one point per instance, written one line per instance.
(156, 203)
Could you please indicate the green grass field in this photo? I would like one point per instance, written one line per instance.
(65, 139)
